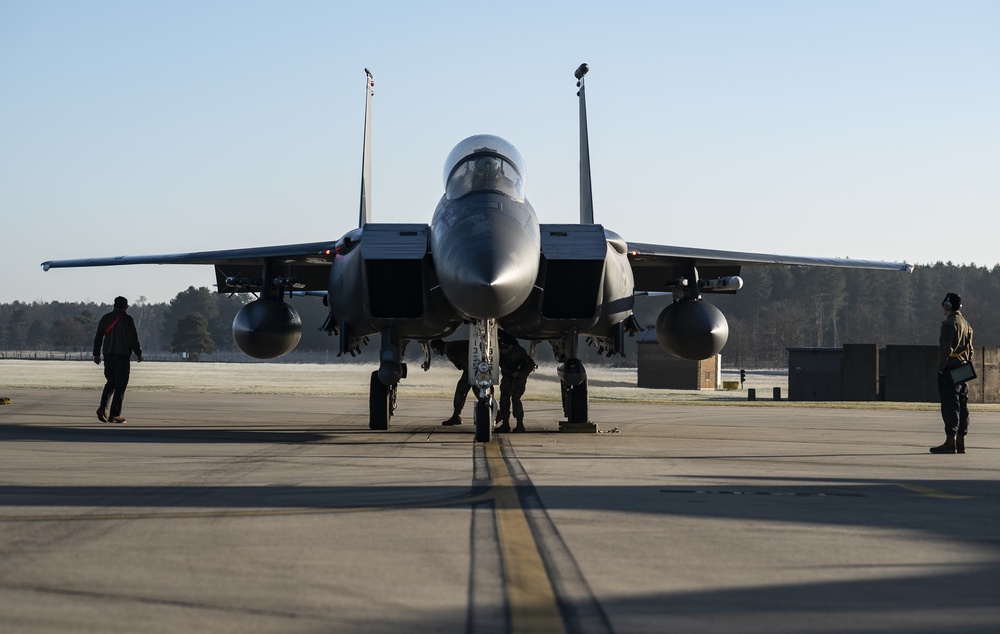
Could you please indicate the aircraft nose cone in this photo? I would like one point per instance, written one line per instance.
(490, 284)
(486, 261)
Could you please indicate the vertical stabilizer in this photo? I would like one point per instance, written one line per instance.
(365, 215)
(586, 191)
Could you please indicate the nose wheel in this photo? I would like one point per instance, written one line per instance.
(483, 419)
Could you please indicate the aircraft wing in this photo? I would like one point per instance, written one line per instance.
(309, 263)
(654, 266)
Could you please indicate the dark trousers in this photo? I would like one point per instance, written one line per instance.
(116, 369)
(954, 405)
(511, 391)
(462, 392)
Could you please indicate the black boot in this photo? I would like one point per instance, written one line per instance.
(960, 443)
(948, 446)
(504, 427)
(454, 420)
(520, 426)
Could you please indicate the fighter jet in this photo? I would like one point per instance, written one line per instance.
(484, 260)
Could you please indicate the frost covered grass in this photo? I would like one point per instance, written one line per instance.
(606, 385)
(334, 379)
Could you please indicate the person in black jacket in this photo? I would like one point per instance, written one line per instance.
(118, 339)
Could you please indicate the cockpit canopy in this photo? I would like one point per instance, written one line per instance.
(484, 163)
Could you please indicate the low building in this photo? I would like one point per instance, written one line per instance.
(659, 369)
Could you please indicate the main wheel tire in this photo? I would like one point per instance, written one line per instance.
(378, 404)
(564, 392)
(577, 396)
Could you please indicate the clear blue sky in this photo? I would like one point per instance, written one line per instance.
(864, 129)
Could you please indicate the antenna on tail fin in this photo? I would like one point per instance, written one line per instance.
(366, 157)
(586, 192)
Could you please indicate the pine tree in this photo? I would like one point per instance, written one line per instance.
(192, 336)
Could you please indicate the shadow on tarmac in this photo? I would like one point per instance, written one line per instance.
(884, 504)
(918, 598)
(955, 597)
(949, 601)
(112, 433)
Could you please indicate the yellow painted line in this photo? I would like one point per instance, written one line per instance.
(530, 595)
(934, 493)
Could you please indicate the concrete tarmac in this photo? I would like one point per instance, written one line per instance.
(279, 513)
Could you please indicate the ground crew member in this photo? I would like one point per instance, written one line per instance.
(458, 353)
(515, 366)
(118, 339)
(954, 349)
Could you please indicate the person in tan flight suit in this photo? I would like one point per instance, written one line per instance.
(954, 348)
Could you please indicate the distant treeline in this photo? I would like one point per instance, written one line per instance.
(778, 308)
(791, 307)
(71, 326)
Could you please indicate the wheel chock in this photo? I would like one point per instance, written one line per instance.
(577, 428)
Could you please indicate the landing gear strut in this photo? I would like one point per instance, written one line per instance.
(382, 392)
(484, 370)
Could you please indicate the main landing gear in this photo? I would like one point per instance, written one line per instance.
(575, 402)
(573, 382)
(382, 391)
(381, 403)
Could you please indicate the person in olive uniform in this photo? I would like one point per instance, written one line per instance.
(515, 366)
(458, 353)
(118, 339)
(954, 348)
